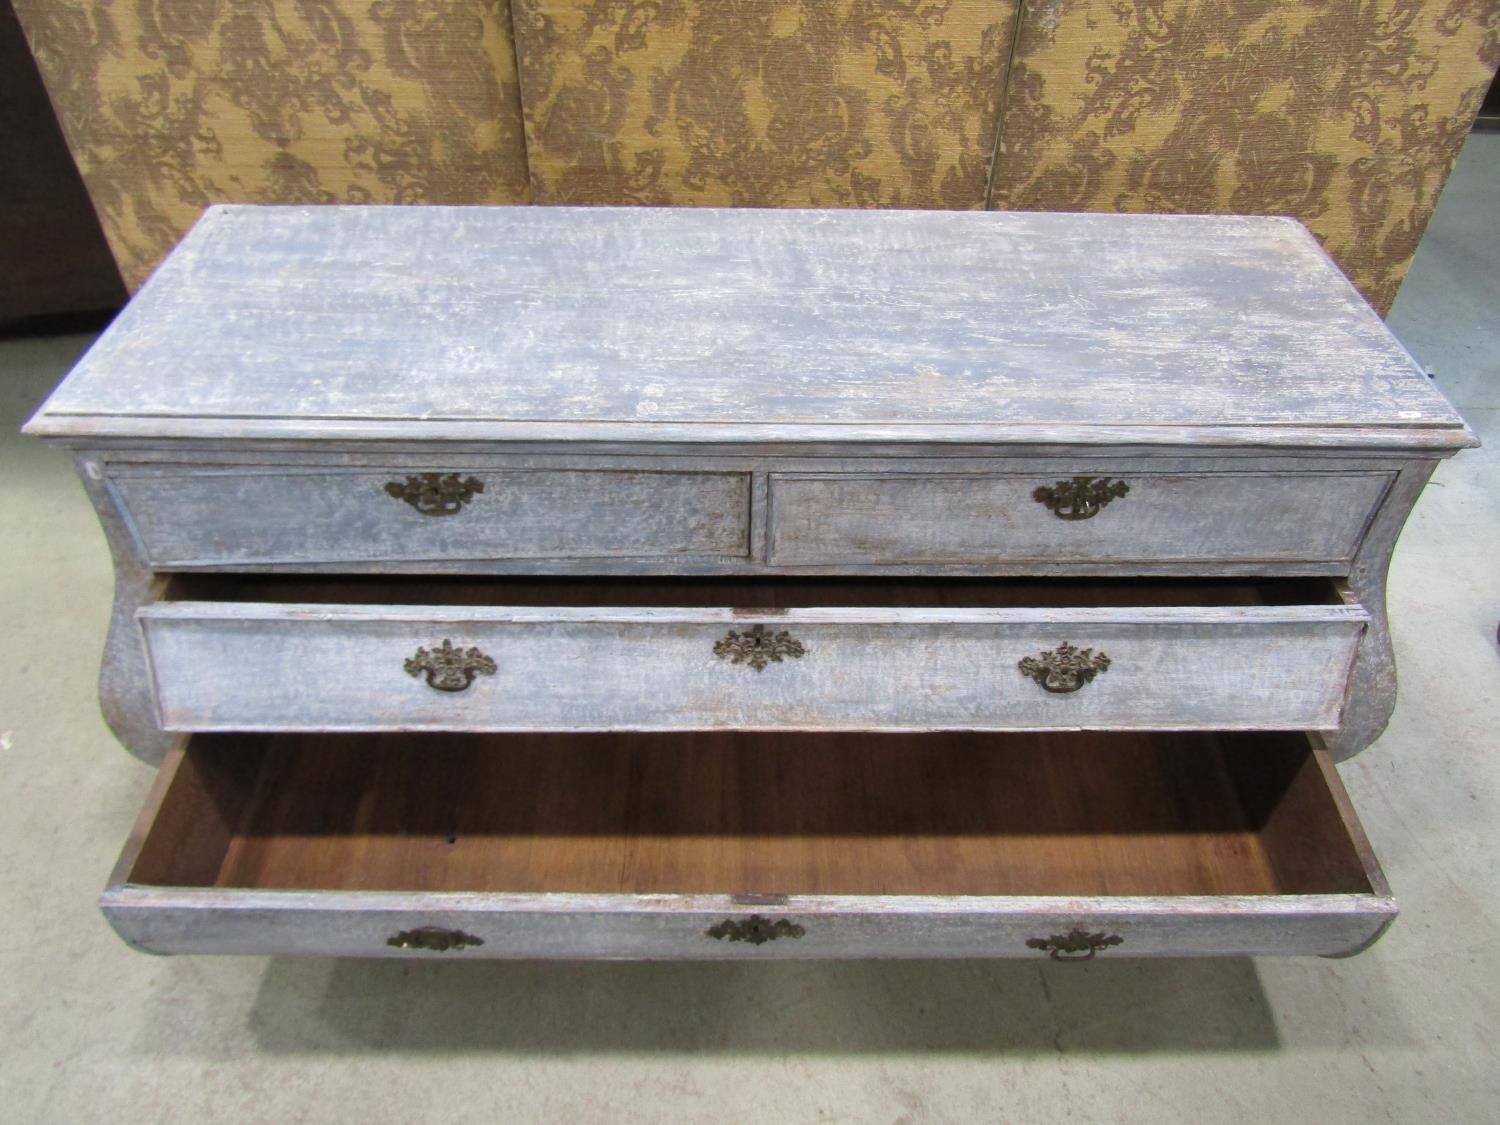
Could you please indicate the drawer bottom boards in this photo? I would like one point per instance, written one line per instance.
(718, 845)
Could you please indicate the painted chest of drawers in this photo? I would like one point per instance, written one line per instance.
(644, 583)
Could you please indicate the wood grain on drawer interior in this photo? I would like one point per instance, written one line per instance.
(1072, 814)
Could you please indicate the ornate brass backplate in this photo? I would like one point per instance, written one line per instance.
(434, 938)
(757, 930)
(435, 494)
(1065, 668)
(1080, 498)
(757, 647)
(448, 668)
(1075, 945)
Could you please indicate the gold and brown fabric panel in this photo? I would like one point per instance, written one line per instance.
(1347, 114)
(170, 105)
(772, 103)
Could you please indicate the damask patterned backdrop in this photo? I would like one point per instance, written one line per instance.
(803, 103)
(169, 105)
(1345, 113)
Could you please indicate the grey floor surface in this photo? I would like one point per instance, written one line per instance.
(90, 1031)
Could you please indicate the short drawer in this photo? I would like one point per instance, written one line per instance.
(716, 846)
(243, 516)
(977, 520)
(505, 655)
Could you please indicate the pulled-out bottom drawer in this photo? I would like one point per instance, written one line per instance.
(750, 845)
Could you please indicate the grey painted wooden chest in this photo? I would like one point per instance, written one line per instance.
(656, 583)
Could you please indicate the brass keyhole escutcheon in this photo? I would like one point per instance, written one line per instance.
(435, 494)
(1075, 945)
(758, 647)
(756, 929)
(1065, 668)
(449, 668)
(433, 938)
(1081, 498)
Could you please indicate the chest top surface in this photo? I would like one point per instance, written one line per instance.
(555, 324)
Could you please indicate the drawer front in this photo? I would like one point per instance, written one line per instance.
(974, 520)
(243, 517)
(458, 927)
(1065, 847)
(263, 667)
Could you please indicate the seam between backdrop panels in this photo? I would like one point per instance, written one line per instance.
(1005, 82)
(515, 60)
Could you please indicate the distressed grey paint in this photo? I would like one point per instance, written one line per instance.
(619, 927)
(1372, 687)
(232, 516)
(126, 694)
(283, 353)
(930, 518)
(329, 667)
(647, 324)
(194, 511)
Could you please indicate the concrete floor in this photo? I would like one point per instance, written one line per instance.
(1406, 1032)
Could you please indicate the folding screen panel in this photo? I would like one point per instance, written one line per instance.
(798, 103)
(169, 105)
(1347, 114)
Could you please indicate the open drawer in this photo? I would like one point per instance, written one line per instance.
(238, 653)
(724, 845)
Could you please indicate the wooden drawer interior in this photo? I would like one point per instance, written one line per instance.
(748, 814)
(759, 595)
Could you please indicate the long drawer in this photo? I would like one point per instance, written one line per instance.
(185, 517)
(1062, 846)
(977, 519)
(508, 655)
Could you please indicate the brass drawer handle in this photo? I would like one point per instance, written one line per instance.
(435, 494)
(448, 668)
(1076, 945)
(756, 929)
(757, 647)
(1080, 498)
(434, 938)
(1064, 668)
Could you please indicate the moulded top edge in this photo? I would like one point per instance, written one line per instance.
(546, 321)
(80, 429)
